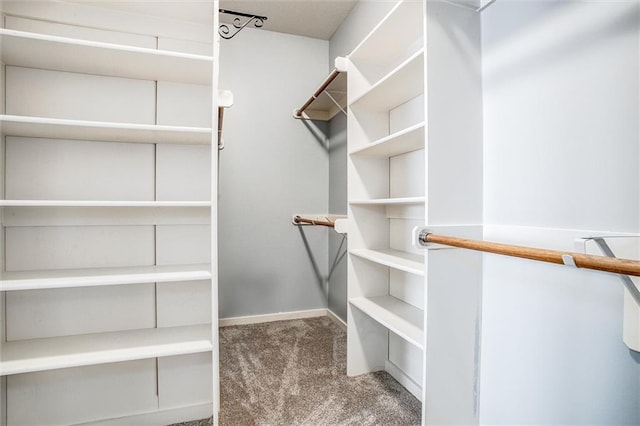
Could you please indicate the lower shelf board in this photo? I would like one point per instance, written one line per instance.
(14, 281)
(403, 261)
(401, 318)
(27, 356)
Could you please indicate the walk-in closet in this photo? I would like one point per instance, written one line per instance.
(319, 212)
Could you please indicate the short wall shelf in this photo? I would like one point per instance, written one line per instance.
(389, 201)
(32, 355)
(403, 261)
(399, 317)
(406, 140)
(15, 281)
(89, 57)
(41, 127)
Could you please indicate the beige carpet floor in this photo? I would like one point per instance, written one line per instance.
(290, 373)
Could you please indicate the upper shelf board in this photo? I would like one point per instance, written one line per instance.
(41, 127)
(33, 50)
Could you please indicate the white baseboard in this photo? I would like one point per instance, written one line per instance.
(402, 378)
(161, 417)
(337, 320)
(281, 316)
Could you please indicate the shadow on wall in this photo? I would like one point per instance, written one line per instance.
(318, 130)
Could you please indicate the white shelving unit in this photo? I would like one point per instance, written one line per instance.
(386, 196)
(124, 286)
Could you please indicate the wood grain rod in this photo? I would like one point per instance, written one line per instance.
(299, 219)
(587, 261)
(318, 92)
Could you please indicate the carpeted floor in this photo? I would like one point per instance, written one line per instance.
(294, 373)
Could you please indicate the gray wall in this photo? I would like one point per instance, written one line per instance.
(561, 154)
(363, 17)
(273, 166)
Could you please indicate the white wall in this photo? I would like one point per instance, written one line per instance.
(273, 166)
(561, 160)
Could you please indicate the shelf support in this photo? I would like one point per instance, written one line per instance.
(226, 33)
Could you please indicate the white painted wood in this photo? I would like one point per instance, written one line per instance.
(90, 57)
(183, 244)
(182, 104)
(91, 203)
(396, 36)
(184, 380)
(404, 379)
(407, 287)
(96, 215)
(335, 318)
(406, 175)
(66, 95)
(75, 395)
(185, 46)
(401, 236)
(85, 14)
(75, 170)
(183, 172)
(183, 302)
(396, 259)
(408, 359)
(42, 127)
(160, 417)
(281, 316)
(407, 115)
(34, 280)
(390, 201)
(401, 85)
(46, 313)
(74, 351)
(83, 33)
(369, 178)
(400, 142)
(79, 247)
(395, 315)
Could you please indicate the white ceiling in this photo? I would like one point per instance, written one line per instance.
(309, 18)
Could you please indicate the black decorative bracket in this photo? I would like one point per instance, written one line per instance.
(226, 32)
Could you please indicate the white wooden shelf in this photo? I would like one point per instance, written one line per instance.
(322, 107)
(399, 317)
(89, 57)
(403, 261)
(40, 127)
(402, 84)
(401, 28)
(389, 201)
(33, 280)
(28, 356)
(88, 203)
(401, 142)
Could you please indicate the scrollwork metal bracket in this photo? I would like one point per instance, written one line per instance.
(227, 32)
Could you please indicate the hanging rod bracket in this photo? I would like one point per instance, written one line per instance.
(227, 33)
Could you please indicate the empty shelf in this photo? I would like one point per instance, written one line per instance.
(89, 57)
(400, 85)
(403, 261)
(40, 127)
(13, 281)
(27, 356)
(389, 201)
(399, 317)
(100, 203)
(401, 142)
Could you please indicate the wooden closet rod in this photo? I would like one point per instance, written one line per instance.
(598, 263)
(299, 219)
(318, 92)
